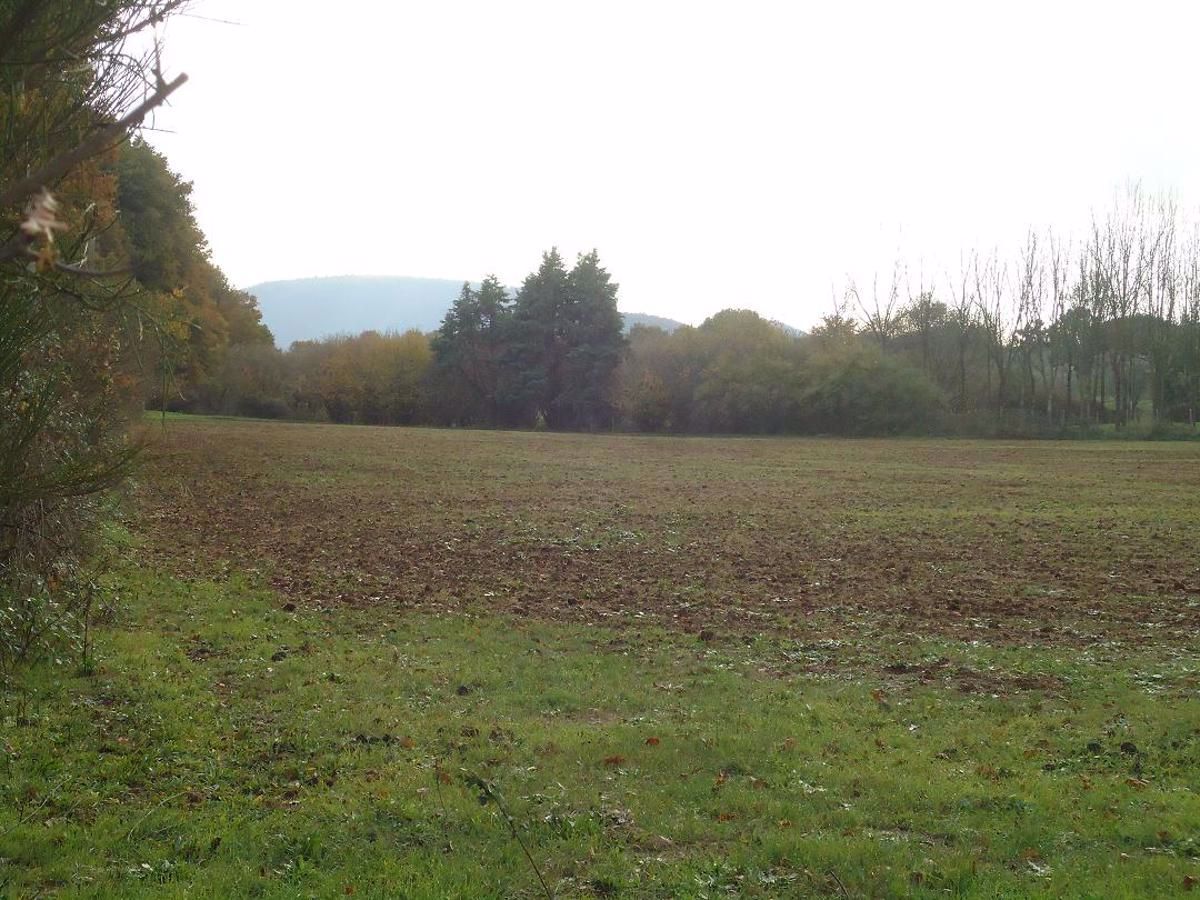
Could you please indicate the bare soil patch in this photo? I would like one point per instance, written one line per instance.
(1049, 544)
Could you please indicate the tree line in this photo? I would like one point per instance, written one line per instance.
(1063, 338)
(546, 357)
(1065, 335)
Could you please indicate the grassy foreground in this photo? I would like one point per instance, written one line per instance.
(235, 742)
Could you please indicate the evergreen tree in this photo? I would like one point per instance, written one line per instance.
(537, 345)
(563, 346)
(467, 353)
(595, 344)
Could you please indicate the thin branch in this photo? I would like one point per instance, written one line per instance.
(156, 17)
(96, 143)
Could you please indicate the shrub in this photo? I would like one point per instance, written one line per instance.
(856, 390)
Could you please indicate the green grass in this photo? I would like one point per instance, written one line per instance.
(325, 639)
(194, 764)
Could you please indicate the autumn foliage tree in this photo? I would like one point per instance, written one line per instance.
(86, 292)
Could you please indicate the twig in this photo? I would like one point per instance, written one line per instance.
(488, 792)
(838, 882)
(437, 779)
(68, 268)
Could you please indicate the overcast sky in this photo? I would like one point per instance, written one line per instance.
(744, 154)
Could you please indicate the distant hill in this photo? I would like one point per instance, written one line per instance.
(667, 325)
(305, 309)
(790, 329)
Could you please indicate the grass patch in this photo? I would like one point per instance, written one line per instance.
(231, 747)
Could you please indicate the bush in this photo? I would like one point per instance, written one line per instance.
(858, 391)
(63, 408)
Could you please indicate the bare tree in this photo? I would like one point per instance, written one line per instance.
(963, 318)
(923, 315)
(1030, 339)
(1123, 253)
(882, 317)
(1188, 266)
(1000, 320)
(1058, 344)
(1158, 327)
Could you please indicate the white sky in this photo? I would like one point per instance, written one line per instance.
(744, 154)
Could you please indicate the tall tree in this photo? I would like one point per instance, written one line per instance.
(537, 345)
(71, 89)
(595, 345)
(467, 351)
(200, 315)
